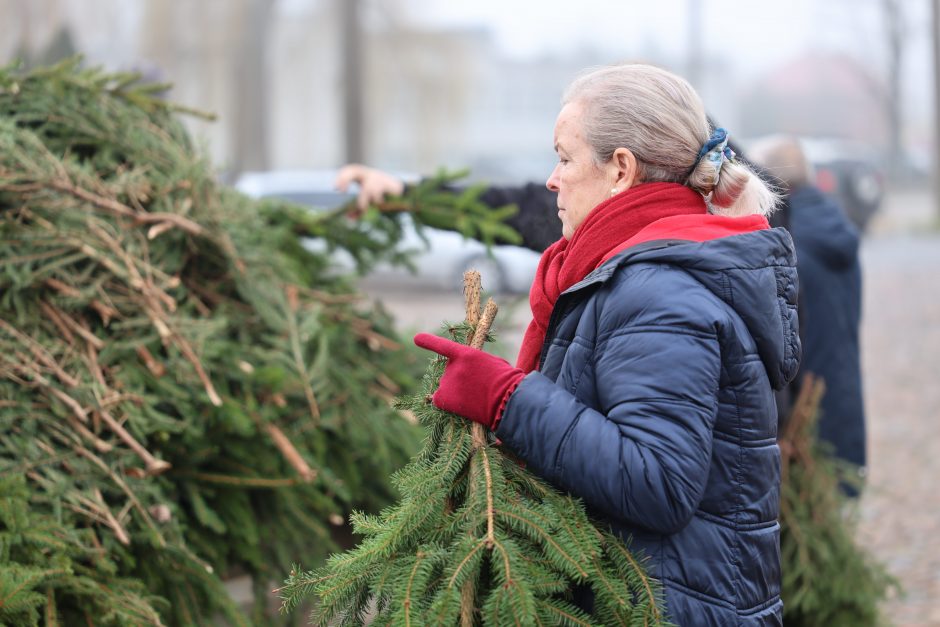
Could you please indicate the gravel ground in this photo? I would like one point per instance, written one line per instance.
(900, 510)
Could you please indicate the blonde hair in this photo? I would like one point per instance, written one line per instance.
(660, 118)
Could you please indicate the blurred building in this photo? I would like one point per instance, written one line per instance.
(818, 95)
(273, 73)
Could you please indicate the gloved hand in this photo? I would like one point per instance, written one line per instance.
(475, 384)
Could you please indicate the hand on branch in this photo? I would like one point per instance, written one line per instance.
(374, 184)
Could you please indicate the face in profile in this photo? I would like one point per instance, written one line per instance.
(580, 183)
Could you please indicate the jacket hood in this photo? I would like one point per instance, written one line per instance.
(755, 274)
(822, 229)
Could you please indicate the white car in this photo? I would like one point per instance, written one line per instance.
(440, 262)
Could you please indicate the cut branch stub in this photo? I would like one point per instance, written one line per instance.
(472, 288)
(472, 285)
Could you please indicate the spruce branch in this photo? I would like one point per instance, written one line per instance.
(828, 578)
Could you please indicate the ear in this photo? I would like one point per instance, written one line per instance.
(624, 169)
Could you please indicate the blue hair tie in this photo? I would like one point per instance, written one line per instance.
(716, 150)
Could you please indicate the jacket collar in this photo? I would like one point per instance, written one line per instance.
(605, 271)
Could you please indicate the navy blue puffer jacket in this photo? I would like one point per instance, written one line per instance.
(654, 404)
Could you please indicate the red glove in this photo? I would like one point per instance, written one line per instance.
(475, 385)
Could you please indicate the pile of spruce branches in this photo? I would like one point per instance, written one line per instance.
(186, 392)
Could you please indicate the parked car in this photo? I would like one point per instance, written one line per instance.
(440, 261)
(849, 171)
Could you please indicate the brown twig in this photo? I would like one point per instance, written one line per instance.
(159, 229)
(168, 336)
(20, 259)
(490, 514)
(137, 280)
(375, 340)
(64, 288)
(53, 312)
(124, 487)
(95, 368)
(155, 367)
(386, 382)
(106, 312)
(60, 324)
(40, 353)
(156, 318)
(100, 445)
(111, 521)
(171, 219)
(33, 373)
(108, 204)
(154, 466)
(290, 453)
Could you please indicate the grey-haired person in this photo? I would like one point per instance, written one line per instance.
(663, 320)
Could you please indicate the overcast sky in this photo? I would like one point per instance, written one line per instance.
(755, 34)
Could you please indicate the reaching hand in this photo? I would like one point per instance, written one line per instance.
(475, 385)
(374, 185)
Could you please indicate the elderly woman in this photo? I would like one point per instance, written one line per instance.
(662, 322)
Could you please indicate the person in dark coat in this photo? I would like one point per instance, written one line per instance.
(827, 246)
(663, 320)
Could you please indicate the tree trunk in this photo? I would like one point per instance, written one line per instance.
(935, 37)
(250, 82)
(352, 57)
(894, 25)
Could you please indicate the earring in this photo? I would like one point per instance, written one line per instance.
(614, 191)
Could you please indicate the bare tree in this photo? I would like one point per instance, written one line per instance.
(250, 82)
(935, 37)
(895, 32)
(352, 57)
(696, 50)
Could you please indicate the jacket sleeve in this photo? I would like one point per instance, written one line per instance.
(642, 454)
(537, 220)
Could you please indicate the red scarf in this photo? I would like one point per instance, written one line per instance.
(644, 213)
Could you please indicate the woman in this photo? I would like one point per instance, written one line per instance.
(662, 322)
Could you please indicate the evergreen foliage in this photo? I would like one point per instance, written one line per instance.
(828, 579)
(476, 539)
(188, 391)
(45, 561)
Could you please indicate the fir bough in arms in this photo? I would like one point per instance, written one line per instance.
(476, 539)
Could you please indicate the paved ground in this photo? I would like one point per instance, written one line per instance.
(900, 512)
(900, 361)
